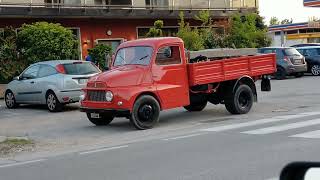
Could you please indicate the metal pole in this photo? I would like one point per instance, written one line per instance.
(282, 38)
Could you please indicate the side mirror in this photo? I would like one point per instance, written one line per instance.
(17, 78)
(301, 171)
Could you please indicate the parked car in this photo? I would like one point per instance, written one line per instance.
(289, 61)
(305, 44)
(54, 83)
(312, 55)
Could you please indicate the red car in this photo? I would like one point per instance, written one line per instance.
(151, 75)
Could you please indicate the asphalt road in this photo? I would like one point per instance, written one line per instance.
(284, 126)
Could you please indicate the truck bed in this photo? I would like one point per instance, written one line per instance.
(229, 69)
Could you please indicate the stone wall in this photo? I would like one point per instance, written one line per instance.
(2, 89)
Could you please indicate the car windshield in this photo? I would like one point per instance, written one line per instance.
(140, 55)
(80, 68)
(291, 52)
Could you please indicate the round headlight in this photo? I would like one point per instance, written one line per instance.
(109, 96)
(82, 95)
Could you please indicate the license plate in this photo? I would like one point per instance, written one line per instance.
(95, 115)
(298, 61)
(83, 81)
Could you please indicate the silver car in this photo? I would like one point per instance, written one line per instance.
(54, 83)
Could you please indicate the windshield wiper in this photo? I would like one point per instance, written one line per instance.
(144, 57)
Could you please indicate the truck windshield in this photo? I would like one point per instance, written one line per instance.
(140, 55)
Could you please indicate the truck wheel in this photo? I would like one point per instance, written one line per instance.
(241, 101)
(145, 113)
(196, 106)
(280, 74)
(103, 120)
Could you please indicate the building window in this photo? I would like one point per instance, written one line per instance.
(161, 3)
(167, 31)
(114, 43)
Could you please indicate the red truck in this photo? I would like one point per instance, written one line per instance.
(151, 75)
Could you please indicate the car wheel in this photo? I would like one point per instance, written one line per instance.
(103, 120)
(280, 74)
(10, 100)
(53, 103)
(315, 70)
(241, 101)
(145, 113)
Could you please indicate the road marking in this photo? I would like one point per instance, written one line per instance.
(274, 129)
(274, 178)
(310, 134)
(259, 122)
(183, 137)
(103, 149)
(22, 163)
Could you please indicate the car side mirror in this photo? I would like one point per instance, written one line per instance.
(17, 78)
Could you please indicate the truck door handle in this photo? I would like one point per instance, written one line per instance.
(32, 82)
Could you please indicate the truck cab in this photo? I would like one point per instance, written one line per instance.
(146, 77)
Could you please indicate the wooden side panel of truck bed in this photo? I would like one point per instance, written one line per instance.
(230, 69)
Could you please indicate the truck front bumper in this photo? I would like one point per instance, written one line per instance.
(116, 112)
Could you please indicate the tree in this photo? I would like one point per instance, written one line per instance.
(99, 55)
(274, 21)
(287, 21)
(43, 41)
(11, 65)
(156, 31)
(191, 36)
(245, 34)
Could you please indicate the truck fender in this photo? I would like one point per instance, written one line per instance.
(248, 81)
(150, 94)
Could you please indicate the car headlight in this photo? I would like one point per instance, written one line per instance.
(109, 96)
(82, 95)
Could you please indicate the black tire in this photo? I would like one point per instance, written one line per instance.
(241, 101)
(196, 106)
(280, 74)
(103, 120)
(145, 113)
(299, 75)
(315, 70)
(10, 100)
(53, 103)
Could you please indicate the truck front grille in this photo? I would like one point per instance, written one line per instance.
(94, 95)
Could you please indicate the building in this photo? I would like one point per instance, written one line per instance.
(114, 21)
(296, 33)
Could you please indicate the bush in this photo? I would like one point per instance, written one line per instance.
(11, 65)
(43, 41)
(244, 32)
(99, 55)
(156, 31)
(192, 38)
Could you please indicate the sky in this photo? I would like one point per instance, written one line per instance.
(283, 9)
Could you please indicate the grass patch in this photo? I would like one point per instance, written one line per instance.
(15, 145)
(17, 142)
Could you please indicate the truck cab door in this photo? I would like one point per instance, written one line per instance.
(170, 77)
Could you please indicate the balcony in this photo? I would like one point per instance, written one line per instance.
(122, 9)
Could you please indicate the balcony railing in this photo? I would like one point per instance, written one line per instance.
(172, 5)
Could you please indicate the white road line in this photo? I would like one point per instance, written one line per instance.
(183, 137)
(274, 129)
(310, 134)
(22, 163)
(274, 178)
(259, 122)
(103, 149)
